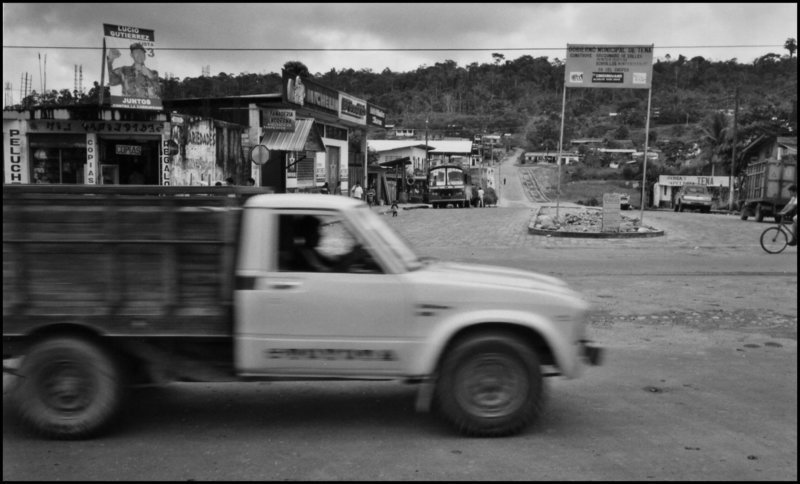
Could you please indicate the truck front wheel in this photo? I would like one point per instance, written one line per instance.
(69, 388)
(490, 385)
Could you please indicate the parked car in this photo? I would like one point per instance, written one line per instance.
(693, 197)
(624, 201)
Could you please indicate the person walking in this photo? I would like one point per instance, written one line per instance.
(480, 197)
(357, 191)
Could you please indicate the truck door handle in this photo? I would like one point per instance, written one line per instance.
(284, 285)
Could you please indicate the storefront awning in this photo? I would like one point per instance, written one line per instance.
(303, 138)
(397, 162)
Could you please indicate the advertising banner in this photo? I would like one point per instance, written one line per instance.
(680, 180)
(352, 109)
(279, 120)
(609, 66)
(132, 78)
(309, 94)
(15, 155)
(376, 116)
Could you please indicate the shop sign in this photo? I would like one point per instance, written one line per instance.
(16, 162)
(129, 58)
(609, 66)
(101, 127)
(319, 174)
(376, 116)
(91, 159)
(352, 109)
(279, 119)
(309, 94)
(129, 150)
(166, 160)
(680, 180)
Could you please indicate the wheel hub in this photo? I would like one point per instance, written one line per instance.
(491, 386)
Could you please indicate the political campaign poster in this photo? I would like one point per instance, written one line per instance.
(130, 67)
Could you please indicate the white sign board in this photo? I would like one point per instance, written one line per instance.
(609, 66)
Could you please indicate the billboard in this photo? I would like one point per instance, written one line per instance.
(130, 53)
(352, 109)
(376, 116)
(309, 94)
(609, 66)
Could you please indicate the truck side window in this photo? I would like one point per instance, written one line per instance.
(320, 243)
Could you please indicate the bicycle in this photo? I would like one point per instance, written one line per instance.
(775, 239)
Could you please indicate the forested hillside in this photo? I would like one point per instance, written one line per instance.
(523, 96)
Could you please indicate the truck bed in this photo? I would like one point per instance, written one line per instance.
(126, 261)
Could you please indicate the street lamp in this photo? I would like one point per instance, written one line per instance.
(427, 162)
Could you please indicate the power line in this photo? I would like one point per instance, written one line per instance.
(399, 49)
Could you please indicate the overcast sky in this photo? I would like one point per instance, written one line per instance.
(475, 30)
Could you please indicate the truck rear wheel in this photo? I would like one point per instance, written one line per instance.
(759, 216)
(69, 388)
(490, 385)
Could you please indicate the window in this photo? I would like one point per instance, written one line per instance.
(320, 243)
(334, 132)
(57, 158)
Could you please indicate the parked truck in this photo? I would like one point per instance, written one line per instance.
(765, 188)
(105, 288)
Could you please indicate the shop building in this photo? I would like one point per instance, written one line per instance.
(83, 145)
(297, 140)
(109, 146)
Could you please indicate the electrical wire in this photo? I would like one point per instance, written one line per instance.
(399, 49)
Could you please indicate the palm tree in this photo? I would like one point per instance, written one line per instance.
(715, 129)
(791, 46)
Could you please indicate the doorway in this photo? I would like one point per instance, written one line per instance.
(132, 161)
(332, 157)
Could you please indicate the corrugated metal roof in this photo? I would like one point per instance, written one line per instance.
(435, 146)
(292, 140)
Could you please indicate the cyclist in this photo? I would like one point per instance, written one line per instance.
(791, 210)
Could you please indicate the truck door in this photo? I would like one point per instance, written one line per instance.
(322, 305)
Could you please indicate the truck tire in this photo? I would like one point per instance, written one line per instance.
(744, 213)
(759, 215)
(490, 385)
(69, 388)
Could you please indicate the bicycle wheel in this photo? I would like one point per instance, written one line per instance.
(774, 240)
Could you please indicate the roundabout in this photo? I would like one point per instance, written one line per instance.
(585, 222)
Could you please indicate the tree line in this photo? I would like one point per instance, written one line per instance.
(523, 95)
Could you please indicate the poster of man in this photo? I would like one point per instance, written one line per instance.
(135, 85)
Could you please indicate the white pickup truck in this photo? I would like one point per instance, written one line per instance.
(104, 288)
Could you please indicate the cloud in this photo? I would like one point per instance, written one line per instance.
(543, 29)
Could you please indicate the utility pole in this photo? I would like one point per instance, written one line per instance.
(427, 160)
(733, 153)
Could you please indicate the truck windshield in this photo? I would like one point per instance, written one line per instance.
(439, 177)
(373, 224)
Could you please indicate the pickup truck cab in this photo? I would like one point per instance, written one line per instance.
(322, 289)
